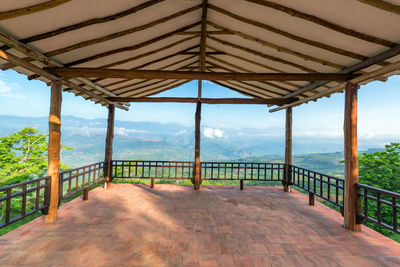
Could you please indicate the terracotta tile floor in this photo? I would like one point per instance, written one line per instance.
(174, 225)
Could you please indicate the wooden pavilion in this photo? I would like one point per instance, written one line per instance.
(278, 53)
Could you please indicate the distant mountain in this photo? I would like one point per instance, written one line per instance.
(173, 141)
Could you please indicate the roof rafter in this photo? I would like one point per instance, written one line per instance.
(130, 48)
(383, 5)
(289, 35)
(324, 23)
(357, 67)
(279, 48)
(90, 22)
(261, 54)
(31, 9)
(121, 33)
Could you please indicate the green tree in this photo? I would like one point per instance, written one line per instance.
(23, 156)
(381, 169)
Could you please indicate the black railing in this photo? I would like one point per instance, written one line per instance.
(79, 179)
(20, 200)
(326, 187)
(242, 171)
(152, 169)
(378, 206)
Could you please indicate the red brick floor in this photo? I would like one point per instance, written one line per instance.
(172, 225)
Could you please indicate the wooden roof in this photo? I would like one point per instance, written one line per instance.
(253, 36)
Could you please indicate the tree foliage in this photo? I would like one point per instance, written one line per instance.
(381, 169)
(23, 156)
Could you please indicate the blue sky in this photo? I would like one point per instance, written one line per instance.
(379, 109)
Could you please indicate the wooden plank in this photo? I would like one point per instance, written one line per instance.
(191, 75)
(31, 9)
(351, 157)
(109, 144)
(288, 148)
(54, 148)
(254, 101)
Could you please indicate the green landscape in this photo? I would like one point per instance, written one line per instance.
(23, 156)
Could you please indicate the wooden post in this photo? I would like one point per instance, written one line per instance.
(241, 184)
(109, 144)
(288, 149)
(85, 195)
(152, 183)
(197, 167)
(54, 148)
(311, 198)
(350, 157)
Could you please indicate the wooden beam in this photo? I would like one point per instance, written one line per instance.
(339, 88)
(108, 155)
(267, 67)
(197, 134)
(90, 22)
(269, 28)
(35, 69)
(357, 67)
(261, 54)
(191, 75)
(54, 148)
(324, 23)
(131, 48)
(31, 9)
(121, 33)
(351, 158)
(250, 101)
(383, 5)
(278, 47)
(288, 149)
(35, 55)
(198, 33)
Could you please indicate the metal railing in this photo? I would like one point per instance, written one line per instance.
(326, 187)
(23, 199)
(152, 169)
(78, 179)
(378, 206)
(242, 171)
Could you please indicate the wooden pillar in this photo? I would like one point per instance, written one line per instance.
(54, 148)
(197, 167)
(109, 144)
(350, 157)
(288, 149)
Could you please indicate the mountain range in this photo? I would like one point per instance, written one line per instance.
(173, 141)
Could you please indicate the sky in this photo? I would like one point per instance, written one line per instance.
(378, 109)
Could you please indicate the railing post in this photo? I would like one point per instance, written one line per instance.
(152, 183)
(351, 158)
(241, 184)
(311, 198)
(288, 150)
(85, 195)
(54, 148)
(109, 145)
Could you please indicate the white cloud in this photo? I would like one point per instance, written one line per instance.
(125, 132)
(213, 133)
(5, 91)
(4, 88)
(181, 132)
